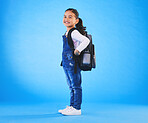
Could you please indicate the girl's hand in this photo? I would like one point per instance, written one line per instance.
(76, 52)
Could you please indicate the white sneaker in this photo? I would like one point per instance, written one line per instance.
(61, 110)
(71, 111)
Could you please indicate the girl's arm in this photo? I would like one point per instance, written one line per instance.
(80, 41)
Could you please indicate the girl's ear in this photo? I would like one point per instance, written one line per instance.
(77, 20)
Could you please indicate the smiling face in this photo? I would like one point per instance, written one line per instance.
(69, 19)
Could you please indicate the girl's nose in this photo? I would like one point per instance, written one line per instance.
(66, 19)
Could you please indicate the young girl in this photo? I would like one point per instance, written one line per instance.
(71, 20)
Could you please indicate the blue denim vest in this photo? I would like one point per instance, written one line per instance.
(67, 55)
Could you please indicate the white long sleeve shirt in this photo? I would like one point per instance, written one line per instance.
(80, 41)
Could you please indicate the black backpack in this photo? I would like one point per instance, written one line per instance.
(86, 60)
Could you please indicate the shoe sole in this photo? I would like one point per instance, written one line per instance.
(70, 114)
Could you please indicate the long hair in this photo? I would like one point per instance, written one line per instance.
(79, 25)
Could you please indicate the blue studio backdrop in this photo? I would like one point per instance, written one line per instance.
(31, 47)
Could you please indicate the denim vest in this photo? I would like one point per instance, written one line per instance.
(67, 55)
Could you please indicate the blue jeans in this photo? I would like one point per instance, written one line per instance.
(73, 81)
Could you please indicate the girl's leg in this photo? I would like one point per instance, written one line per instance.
(76, 88)
(72, 97)
(70, 87)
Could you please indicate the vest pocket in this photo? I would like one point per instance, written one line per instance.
(68, 60)
(69, 56)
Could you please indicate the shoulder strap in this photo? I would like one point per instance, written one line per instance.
(70, 42)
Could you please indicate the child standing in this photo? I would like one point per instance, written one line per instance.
(71, 20)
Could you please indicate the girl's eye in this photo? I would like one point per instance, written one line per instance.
(70, 16)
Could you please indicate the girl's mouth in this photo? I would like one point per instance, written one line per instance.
(66, 22)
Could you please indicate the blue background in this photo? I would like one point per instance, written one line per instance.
(31, 46)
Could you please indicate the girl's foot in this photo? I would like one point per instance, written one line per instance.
(71, 111)
(61, 110)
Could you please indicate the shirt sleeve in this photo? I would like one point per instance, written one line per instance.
(83, 40)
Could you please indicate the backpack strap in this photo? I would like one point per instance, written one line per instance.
(70, 43)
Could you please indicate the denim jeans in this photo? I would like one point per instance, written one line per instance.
(73, 79)
(74, 83)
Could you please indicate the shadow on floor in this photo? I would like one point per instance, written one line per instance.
(31, 116)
